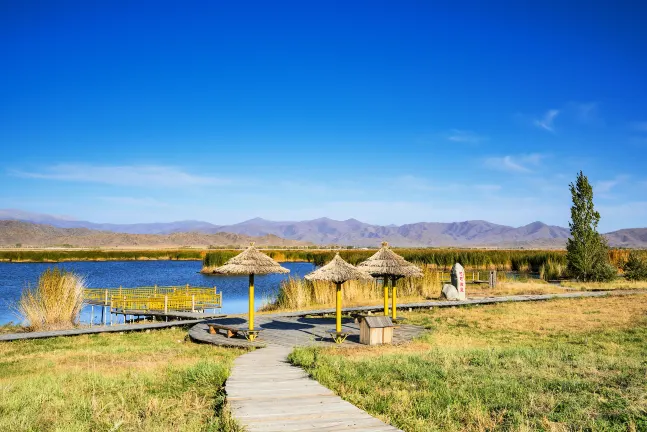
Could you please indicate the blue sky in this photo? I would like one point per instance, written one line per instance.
(388, 112)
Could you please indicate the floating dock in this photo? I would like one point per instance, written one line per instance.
(155, 302)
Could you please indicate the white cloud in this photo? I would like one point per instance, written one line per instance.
(463, 136)
(488, 187)
(603, 187)
(584, 112)
(546, 122)
(132, 201)
(639, 126)
(417, 184)
(122, 175)
(519, 164)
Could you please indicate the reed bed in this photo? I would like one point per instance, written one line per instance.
(296, 294)
(439, 259)
(99, 255)
(55, 302)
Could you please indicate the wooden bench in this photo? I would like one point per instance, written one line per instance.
(234, 330)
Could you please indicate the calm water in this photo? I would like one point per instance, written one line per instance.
(112, 274)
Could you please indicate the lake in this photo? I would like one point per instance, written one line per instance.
(112, 274)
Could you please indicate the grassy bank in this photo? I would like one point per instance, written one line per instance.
(44, 255)
(557, 365)
(130, 382)
(618, 284)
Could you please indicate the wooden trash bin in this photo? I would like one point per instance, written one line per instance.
(375, 330)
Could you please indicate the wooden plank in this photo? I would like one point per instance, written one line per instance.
(95, 330)
(281, 397)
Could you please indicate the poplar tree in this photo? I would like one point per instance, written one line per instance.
(587, 252)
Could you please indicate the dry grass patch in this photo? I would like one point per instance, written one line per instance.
(556, 365)
(531, 287)
(129, 382)
(55, 302)
(618, 284)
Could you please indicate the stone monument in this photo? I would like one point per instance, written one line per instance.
(458, 280)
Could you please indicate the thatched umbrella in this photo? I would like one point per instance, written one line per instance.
(390, 266)
(338, 271)
(251, 262)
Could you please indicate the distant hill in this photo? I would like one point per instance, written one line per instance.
(39, 235)
(325, 231)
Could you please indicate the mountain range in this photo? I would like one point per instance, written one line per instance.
(325, 231)
(29, 234)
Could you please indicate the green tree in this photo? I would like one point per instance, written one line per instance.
(587, 251)
(635, 268)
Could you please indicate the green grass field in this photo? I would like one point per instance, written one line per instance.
(127, 382)
(556, 365)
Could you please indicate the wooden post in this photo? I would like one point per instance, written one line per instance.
(166, 304)
(338, 307)
(105, 303)
(110, 311)
(251, 302)
(386, 297)
(193, 303)
(492, 280)
(91, 314)
(394, 301)
(103, 314)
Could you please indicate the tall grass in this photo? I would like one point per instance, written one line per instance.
(297, 293)
(55, 302)
(441, 259)
(552, 270)
(212, 260)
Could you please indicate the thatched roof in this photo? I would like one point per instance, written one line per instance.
(338, 271)
(250, 261)
(385, 262)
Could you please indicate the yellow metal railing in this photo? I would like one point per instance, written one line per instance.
(155, 298)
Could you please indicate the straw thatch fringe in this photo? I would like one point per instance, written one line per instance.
(250, 261)
(385, 262)
(338, 271)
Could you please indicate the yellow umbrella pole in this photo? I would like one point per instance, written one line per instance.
(386, 298)
(251, 301)
(394, 300)
(338, 326)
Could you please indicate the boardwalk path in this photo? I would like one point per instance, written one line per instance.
(97, 329)
(266, 393)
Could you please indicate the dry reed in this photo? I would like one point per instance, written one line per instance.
(295, 294)
(55, 302)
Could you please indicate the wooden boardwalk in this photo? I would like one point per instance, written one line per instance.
(289, 332)
(453, 303)
(95, 330)
(266, 394)
(175, 315)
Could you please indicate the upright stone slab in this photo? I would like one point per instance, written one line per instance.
(458, 280)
